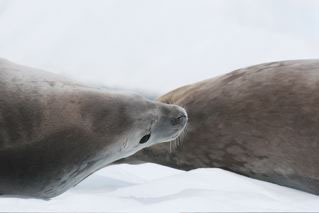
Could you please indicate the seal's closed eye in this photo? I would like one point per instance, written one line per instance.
(145, 138)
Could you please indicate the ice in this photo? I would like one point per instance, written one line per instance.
(154, 188)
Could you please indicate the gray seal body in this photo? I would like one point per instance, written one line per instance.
(55, 132)
(261, 121)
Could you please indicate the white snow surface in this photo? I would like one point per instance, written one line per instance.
(154, 188)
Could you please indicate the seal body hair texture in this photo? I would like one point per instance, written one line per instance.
(55, 132)
(261, 121)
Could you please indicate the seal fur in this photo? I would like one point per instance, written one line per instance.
(55, 132)
(261, 121)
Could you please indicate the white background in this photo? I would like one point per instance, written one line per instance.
(155, 45)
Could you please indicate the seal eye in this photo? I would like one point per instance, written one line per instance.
(145, 138)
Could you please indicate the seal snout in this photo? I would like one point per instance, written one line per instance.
(179, 120)
(171, 123)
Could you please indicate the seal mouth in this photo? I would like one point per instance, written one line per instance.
(145, 138)
(176, 135)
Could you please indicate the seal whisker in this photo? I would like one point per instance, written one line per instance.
(174, 144)
(182, 135)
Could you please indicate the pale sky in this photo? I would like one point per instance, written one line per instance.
(155, 45)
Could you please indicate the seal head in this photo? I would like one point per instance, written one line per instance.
(55, 132)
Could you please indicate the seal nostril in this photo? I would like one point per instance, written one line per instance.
(145, 138)
(180, 119)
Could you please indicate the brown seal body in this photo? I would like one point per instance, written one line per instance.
(261, 121)
(55, 132)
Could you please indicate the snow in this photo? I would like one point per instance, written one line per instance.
(154, 47)
(155, 188)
